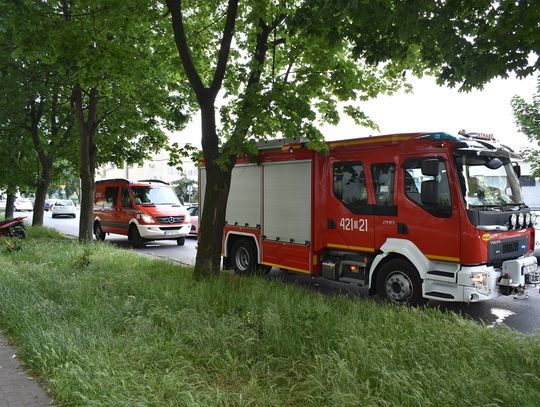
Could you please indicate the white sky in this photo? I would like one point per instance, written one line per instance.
(430, 108)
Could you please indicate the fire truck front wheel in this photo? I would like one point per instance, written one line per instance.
(398, 282)
(244, 258)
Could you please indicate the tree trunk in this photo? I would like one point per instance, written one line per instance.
(218, 182)
(10, 205)
(87, 166)
(41, 193)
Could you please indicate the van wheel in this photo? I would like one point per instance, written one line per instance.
(244, 258)
(181, 240)
(98, 233)
(135, 237)
(398, 282)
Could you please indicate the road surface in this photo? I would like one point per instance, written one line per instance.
(521, 315)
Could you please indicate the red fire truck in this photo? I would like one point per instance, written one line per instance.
(412, 216)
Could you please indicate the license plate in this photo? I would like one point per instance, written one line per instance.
(531, 268)
(170, 232)
(481, 288)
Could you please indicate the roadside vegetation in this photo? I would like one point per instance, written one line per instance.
(104, 326)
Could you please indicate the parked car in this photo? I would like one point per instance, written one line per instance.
(49, 203)
(143, 211)
(64, 207)
(194, 217)
(23, 204)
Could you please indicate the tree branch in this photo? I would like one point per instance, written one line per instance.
(175, 8)
(225, 47)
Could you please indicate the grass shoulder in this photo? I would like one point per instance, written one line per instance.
(105, 326)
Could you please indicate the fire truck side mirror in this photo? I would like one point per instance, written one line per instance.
(429, 193)
(430, 167)
(517, 169)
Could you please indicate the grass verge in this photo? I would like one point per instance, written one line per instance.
(105, 326)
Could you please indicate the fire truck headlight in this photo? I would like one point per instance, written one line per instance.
(521, 220)
(528, 219)
(513, 220)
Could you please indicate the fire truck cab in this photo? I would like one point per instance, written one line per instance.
(412, 216)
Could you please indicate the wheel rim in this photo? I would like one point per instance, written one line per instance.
(398, 287)
(242, 259)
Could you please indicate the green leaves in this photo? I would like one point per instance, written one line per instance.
(527, 115)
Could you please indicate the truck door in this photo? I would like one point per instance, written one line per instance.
(349, 213)
(428, 213)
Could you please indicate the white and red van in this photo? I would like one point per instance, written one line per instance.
(143, 211)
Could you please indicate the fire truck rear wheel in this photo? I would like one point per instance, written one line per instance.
(244, 258)
(398, 282)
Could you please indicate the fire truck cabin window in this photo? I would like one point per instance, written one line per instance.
(349, 185)
(431, 192)
(383, 183)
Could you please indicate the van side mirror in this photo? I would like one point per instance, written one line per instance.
(517, 169)
(430, 167)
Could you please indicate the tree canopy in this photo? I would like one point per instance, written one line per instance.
(527, 116)
(111, 60)
(284, 67)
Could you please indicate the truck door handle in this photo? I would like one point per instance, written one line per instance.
(331, 224)
(402, 229)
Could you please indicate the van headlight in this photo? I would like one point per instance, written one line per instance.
(147, 218)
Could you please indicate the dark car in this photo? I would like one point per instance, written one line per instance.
(48, 204)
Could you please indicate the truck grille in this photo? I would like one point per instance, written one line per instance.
(170, 219)
(507, 249)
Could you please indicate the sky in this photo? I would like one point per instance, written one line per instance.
(430, 107)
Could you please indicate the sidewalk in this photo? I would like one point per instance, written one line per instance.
(17, 388)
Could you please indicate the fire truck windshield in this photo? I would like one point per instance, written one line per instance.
(484, 186)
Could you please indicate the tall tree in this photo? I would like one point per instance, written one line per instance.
(527, 115)
(283, 67)
(114, 58)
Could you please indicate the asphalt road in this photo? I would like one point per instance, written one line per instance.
(521, 315)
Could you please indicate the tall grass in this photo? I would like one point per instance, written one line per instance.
(107, 327)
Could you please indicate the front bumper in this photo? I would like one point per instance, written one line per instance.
(156, 232)
(482, 283)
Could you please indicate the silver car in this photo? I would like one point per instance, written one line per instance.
(64, 207)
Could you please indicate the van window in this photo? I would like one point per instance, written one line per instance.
(111, 195)
(432, 193)
(126, 200)
(349, 186)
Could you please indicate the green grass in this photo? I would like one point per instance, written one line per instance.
(107, 327)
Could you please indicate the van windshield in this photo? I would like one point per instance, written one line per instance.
(155, 195)
(488, 187)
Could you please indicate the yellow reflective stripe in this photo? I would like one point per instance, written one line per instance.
(369, 140)
(443, 258)
(286, 267)
(357, 248)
